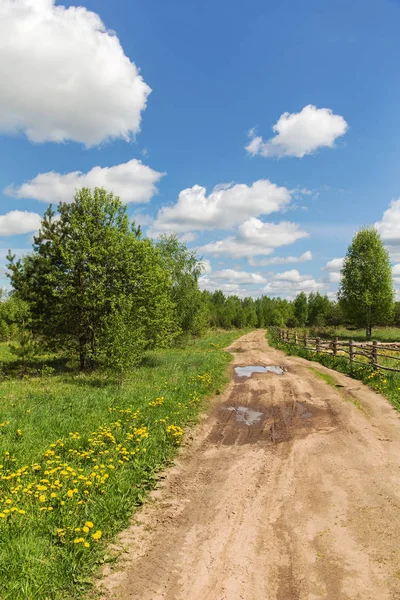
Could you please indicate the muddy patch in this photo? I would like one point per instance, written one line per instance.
(247, 371)
(247, 415)
(270, 424)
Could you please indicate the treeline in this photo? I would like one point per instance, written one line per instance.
(95, 289)
(315, 310)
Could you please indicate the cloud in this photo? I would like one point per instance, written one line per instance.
(298, 134)
(132, 181)
(239, 276)
(226, 206)
(229, 289)
(281, 260)
(389, 226)
(291, 283)
(206, 266)
(396, 271)
(292, 276)
(333, 268)
(17, 222)
(336, 264)
(65, 76)
(256, 238)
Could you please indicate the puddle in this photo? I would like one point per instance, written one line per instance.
(268, 422)
(249, 370)
(246, 414)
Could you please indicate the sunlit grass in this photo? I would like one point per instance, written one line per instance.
(78, 455)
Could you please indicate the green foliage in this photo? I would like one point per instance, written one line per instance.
(26, 347)
(122, 346)
(366, 290)
(301, 309)
(318, 309)
(13, 313)
(85, 265)
(184, 268)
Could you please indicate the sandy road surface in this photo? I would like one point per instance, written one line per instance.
(304, 503)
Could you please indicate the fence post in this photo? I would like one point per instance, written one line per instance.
(288, 336)
(305, 341)
(317, 344)
(334, 346)
(375, 354)
(351, 352)
(296, 338)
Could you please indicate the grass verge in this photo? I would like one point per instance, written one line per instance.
(387, 384)
(331, 381)
(78, 454)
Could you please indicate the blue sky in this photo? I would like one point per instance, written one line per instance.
(75, 97)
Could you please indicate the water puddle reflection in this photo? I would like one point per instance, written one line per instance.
(249, 370)
(246, 414)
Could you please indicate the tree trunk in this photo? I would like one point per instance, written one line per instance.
(368, 331)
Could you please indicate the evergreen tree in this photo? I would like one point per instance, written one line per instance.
(84, 266)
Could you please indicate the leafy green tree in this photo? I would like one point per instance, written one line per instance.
(249, 312)
(335, 315)
(85, 265)
(184, 268)
(366, 290)
(301, 309)
(318, 308)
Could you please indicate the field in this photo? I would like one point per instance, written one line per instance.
(381, 334)
(79, 453)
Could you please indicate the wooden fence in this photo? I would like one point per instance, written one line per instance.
(376, 354)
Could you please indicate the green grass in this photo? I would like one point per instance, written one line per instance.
(324, 376)
(381, 334)
(77, 448)
(332, 382)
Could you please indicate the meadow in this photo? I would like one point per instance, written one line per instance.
(79, 453)
(381, 334)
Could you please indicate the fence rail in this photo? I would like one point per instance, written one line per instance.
(350, 350)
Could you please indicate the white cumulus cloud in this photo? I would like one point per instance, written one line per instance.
(291, 283)
(292, 276)
(64, 76)
(333, 268)
(298, 134)
(256, 238)
(226, 206)
(132, 182)
(389, 226)
(239, 276)
(17, 222)
(281, 260)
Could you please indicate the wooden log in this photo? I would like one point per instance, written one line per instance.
(351, 350)
(374, 355)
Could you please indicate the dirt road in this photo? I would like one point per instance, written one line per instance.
(288, 490)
